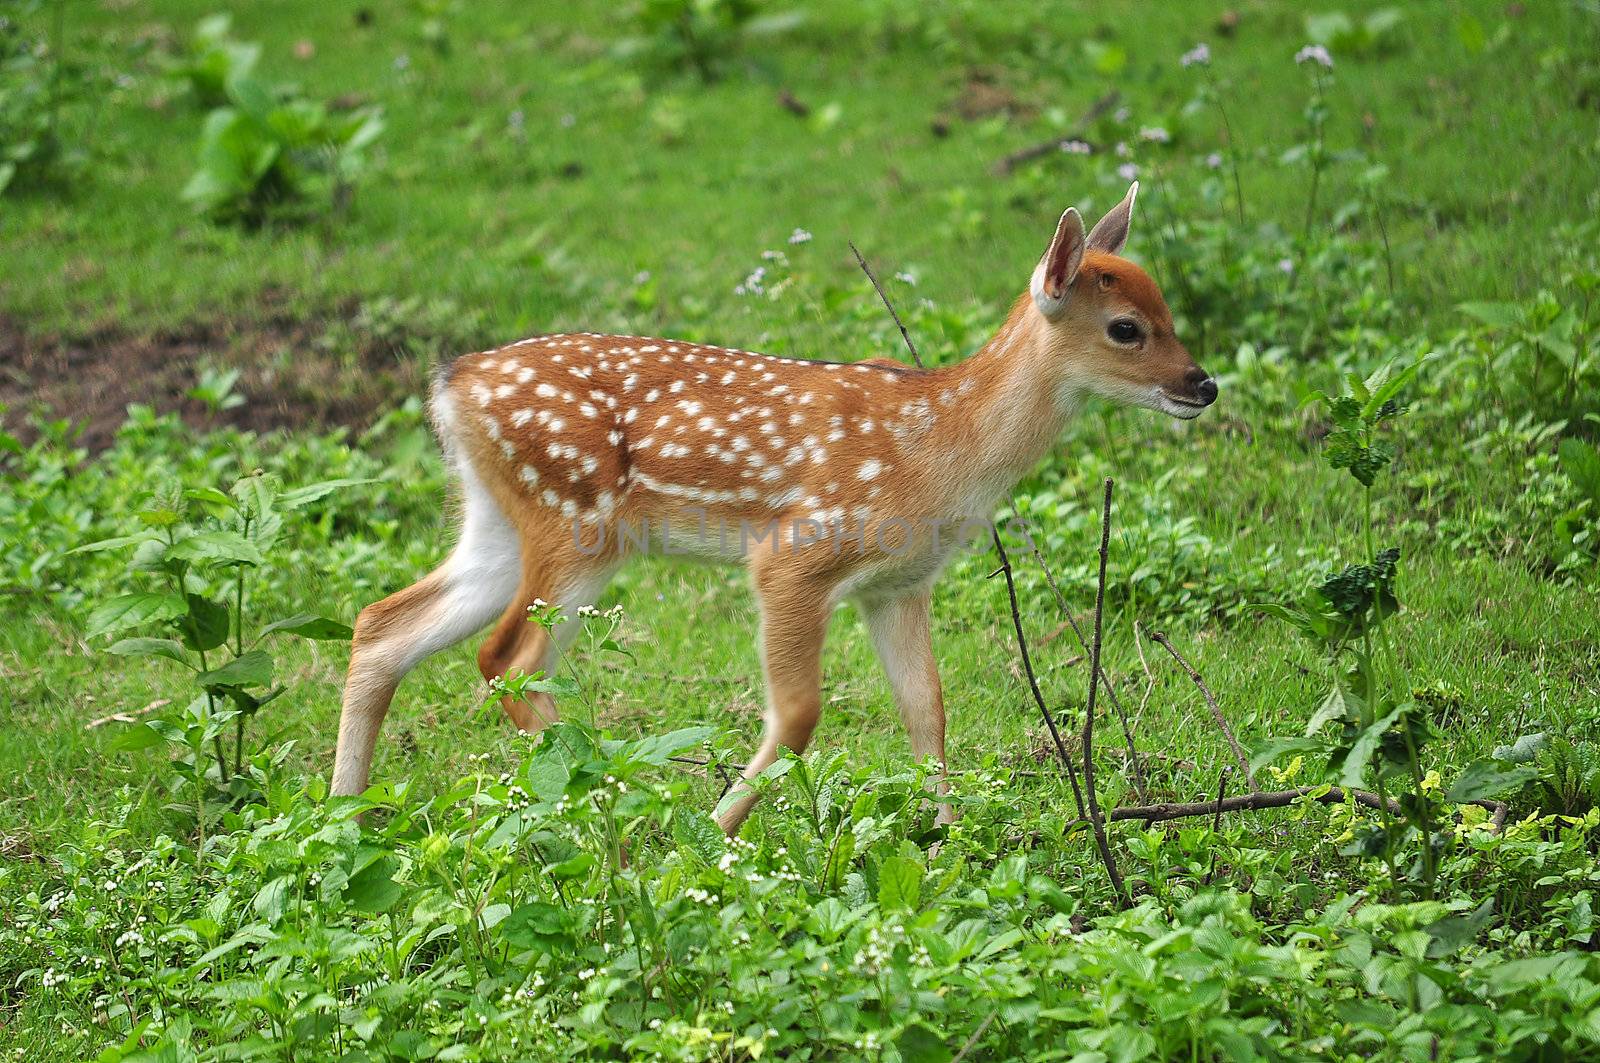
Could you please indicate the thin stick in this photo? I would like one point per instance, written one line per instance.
(1055, 144)
(1095, 819)
(967, 1047)
(127, 717)
(912, 347)
(1267, 799)
(1211, 703)
(1027, 667)
(1216, 823)
(1134, 761)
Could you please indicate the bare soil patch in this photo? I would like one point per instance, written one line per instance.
(293, 373)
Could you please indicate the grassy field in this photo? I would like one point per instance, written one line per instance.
(549, 168)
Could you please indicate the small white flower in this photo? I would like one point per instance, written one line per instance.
(905, 276)
(1155, 134)
(1076, 147)
(1286, 265)
(1199, 55)
(1127, 171)
(1314, 53)
(1214, 160)
(799, 236)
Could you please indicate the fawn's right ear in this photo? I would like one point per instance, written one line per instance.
(1054, 275)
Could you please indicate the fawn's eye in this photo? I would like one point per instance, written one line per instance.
(1123, 330)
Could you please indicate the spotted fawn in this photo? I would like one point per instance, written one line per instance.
(845, 481)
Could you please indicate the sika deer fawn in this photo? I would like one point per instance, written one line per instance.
(559, 441)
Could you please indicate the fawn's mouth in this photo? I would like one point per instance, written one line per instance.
(1186, 409)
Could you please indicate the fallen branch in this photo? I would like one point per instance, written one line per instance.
(1055, 144)
(127, 717)
(1211, 703)
(1265, 799)
(1095, 818)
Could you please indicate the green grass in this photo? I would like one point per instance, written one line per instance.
(463, 210)
(1486, 154)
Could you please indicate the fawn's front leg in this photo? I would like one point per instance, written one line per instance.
(900, 632)
(794, 622)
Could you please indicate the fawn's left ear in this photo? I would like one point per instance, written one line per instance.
(1059, 266)
(1111, 232)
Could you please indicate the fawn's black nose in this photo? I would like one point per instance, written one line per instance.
(1202, 387)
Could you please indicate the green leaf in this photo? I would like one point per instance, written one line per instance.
(131, 610)
(899, 883)
(537, 926)
(373, 889)
(312, 492)
(658, 749)
(216, 546)
(1581, 462)
(205, 625)
(574, 867)
(309, 626)
(140, 736)
(253, 668)
(1486, 778)
(1453, 932)
(1523, 750)
(1496, 315)
(145, 647)
(1360, 753)
(1337, 705)
(116, 543)
(918, 1043)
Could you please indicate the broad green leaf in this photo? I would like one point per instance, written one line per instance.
(139, 736)
(656, 750)
(115, 543)
(1523, 750)
(205, 625)
(309, 626)
(1365, 745)
(131, 610)
(1337, 705)
(311, 492)
(145, 647)
(373, 889)
(1581, 462)
(918, 1043)
(899, 883)
(1497, 315)
(216, 546)
(1487, 778)
(538, 925)
(253, 668)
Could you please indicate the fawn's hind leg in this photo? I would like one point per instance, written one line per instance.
(562, 578)
(393, 635)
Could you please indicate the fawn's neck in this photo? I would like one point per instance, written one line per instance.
(1016, 406)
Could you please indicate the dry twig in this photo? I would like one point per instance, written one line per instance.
(1055, 144)
(1211, 703)
(127, 717)
(1095, 819)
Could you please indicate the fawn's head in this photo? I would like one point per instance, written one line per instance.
(1106, 325)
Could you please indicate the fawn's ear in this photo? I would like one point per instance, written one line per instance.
(1111, 232)
(1059, 266)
